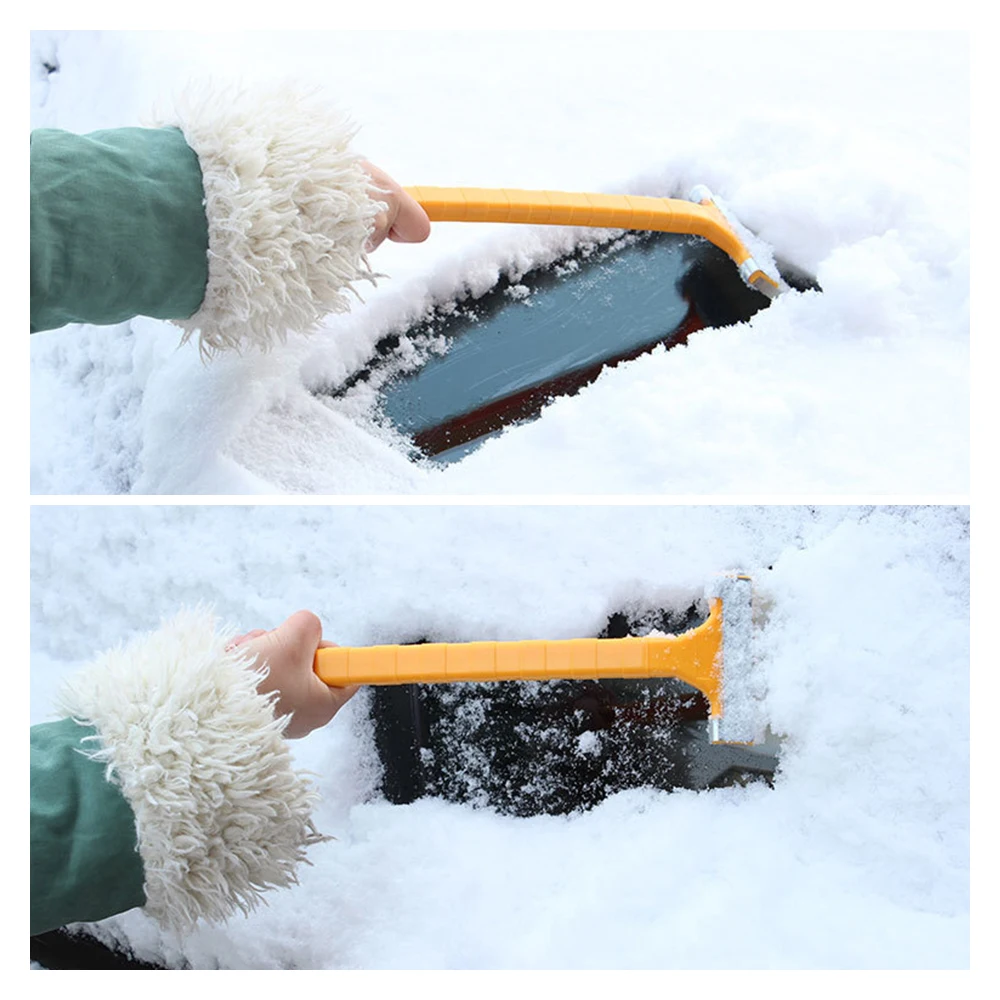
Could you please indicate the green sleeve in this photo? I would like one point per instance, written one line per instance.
(84, 862)
(118, 227)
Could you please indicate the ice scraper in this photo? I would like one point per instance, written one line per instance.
(716, 657)
(703, 215)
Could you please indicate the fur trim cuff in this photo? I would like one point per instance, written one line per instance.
(288, 214)
(220, 813)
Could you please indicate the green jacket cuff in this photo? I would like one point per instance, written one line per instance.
(118, 227)
(84, 859)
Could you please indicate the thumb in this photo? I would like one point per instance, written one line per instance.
(298, 636)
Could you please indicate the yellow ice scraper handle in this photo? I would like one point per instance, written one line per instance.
(607, 211)
(693, 657)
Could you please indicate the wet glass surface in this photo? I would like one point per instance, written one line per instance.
(603, 310)
(477, 366)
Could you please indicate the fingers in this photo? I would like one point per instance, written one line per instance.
(403, 220)
(411, 224)
(239, 640)
(289, 652)
(303, 635)
(298, 630)
(383, 223)
(300, 634)
(341, 696)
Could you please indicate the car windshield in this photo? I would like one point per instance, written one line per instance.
(498, 360)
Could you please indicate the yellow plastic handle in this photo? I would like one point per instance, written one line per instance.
(609, 211)
(693, 657)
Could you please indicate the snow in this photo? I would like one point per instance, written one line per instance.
(857, 858)
(849, 156)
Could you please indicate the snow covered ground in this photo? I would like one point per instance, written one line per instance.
(848, 152)
(858, 858)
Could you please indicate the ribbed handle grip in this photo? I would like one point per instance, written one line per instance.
(691, 657)
(607, 211)
(563, 208)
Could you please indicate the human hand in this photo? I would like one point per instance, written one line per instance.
(288, 651)
(403, 221)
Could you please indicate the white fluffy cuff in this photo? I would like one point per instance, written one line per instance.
(220, 813)
(288, 213)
